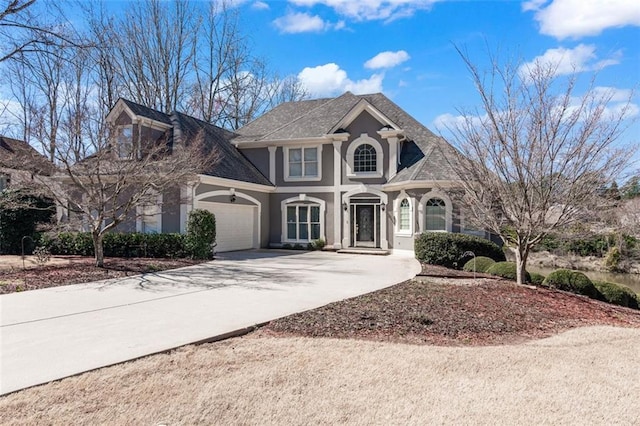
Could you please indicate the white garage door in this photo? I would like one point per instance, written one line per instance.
(235, 225)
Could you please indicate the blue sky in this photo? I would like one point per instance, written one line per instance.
(405, 48)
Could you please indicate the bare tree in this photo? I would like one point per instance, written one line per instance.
(536, 153)
(231, 86)
(155, 49)
(99, 189)
(22, 32)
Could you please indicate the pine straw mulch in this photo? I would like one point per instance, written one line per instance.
(446, 311)
(81, 270)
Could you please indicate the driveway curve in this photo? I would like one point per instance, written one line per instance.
(54, 333)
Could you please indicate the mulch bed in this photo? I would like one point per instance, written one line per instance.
(485, 312)
(441, 271)
(82, 270)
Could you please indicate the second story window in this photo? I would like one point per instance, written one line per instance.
(124, 142)
(302, 163)
(364, 159)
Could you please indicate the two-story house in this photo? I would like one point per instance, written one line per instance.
(355, 171)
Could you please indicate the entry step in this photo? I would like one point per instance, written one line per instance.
(360, 250)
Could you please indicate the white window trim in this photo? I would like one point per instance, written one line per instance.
(362, 140)
(158, 216)
(396, 208)
(448, 210)
(285, 164)
(301, 200)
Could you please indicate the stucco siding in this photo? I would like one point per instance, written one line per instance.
(171, 210)
(365, 124)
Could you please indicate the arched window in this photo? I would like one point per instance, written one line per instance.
(435, 215)
(365, 159)
(405, 216)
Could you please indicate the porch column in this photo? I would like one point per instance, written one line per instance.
(392, 135)
(272, 164)
(337, 205)
(384, 243)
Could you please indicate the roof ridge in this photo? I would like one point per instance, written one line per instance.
(329, 101)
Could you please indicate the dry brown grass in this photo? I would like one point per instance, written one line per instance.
(585, 376)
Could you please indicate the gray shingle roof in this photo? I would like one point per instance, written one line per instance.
(143, 111)
(231, 164)
(19, 155)
(424, 155)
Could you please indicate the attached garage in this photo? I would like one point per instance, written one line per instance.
(236, 225)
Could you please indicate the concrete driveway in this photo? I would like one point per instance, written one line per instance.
(54, 333)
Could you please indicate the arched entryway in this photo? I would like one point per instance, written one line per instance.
(364, 218)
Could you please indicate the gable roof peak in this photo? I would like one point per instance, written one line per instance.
(138, 110)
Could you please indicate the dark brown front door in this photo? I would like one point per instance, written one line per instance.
(365, 225)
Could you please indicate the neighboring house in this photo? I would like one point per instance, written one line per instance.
(20, 163)
(356, 171)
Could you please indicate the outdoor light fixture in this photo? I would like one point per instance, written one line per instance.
(383, 206)
(232, 198)
(344, 206)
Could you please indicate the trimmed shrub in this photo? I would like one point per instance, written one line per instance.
(536, 278)
(317, 244)
(118, 244)
(201, 234)
(481, 264)
(617, 294)
(447, 249)
(506, 270)
(572, 281)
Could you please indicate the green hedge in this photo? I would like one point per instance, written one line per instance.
(118, 244)
(506, 270)
(617, 294)
(573, 281)
(480, 264)
(447, 249)
(537, 278)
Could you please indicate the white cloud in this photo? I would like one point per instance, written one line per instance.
(617, 95)
(294, 22)
(567, 61)
(260, 5)
(616, 102)
(387, 59)
(449, 121)
(330, 80)
(532, 5)
(579, 18)
(368, 10)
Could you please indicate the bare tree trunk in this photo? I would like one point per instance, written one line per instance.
(522, 253)
(98, 247)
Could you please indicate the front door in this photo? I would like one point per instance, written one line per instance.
(365, 225)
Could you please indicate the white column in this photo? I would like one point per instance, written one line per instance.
(393, 157)
(272, 164)
(337, 205)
